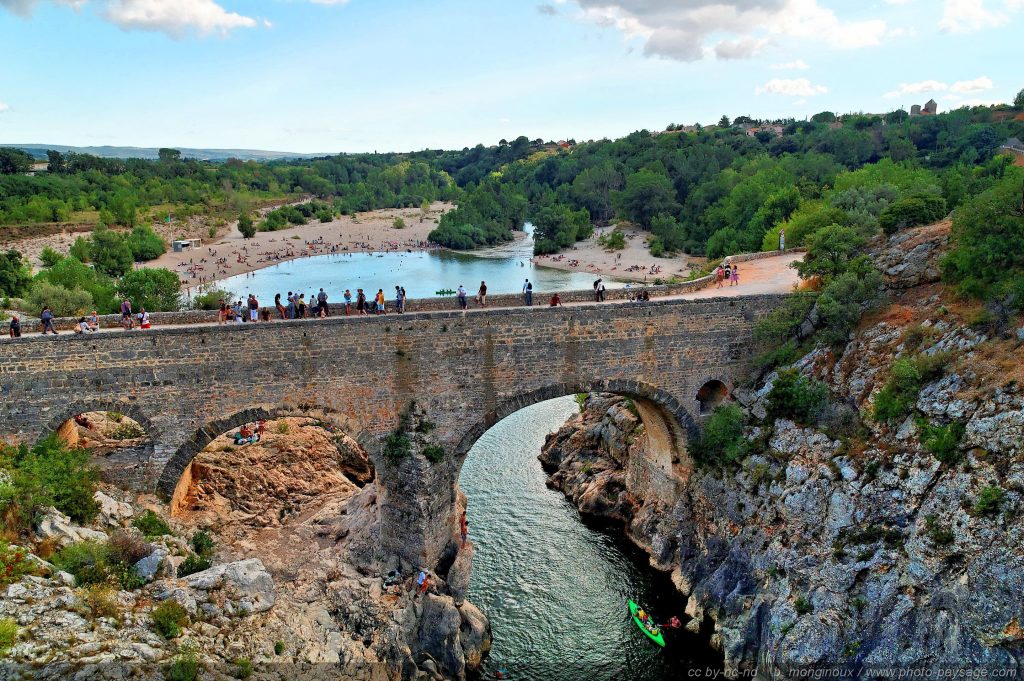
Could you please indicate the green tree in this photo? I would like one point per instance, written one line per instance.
(56, 164)
(824, 117)
(724, 122)
(158, 290)
(246, 226)
(829, 250)
(646, 195)
(63, 302)
(71, 274)
(1018, 101)
(169, 155)
(110, 253)
(145, 244)
(123, 209)
(50, 256)
(988, 237)
(15, 274)
(14, 161)
(669, 231)
(593, 190)
(82, 249)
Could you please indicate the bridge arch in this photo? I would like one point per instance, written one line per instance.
(176, 467)
(70, 410)
(670, 426)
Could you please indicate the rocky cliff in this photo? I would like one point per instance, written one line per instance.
(290, 588)
(849, 540)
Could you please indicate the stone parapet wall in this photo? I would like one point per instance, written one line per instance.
(438, 304)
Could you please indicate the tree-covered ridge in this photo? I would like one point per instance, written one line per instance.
(729, 189)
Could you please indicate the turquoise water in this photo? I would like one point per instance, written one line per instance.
(421, 273)
(553, 586)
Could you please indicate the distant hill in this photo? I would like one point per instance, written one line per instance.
(39, 151)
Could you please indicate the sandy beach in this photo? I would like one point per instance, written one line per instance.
(633, 263)
(231, 254)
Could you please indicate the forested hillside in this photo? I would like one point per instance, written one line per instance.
(724, 189)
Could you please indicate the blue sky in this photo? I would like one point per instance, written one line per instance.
(394, 75)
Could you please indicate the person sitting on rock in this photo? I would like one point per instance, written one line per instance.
(423, 581)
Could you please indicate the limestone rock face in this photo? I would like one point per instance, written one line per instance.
(844, 542)
(911, 257)
(57, 527)
(246, 585)
(113, 513)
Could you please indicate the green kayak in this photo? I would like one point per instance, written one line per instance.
(652, 631)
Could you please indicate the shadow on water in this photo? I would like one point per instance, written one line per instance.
(553, 586)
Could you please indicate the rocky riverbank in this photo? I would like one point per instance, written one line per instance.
(849, 540)
(287, 589)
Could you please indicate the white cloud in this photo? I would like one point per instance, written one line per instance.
(683, 29)
(741, 48)
(977, 85)
(4, 107)
(917, 88)
(966, 16)
(790, 87)
(173, 17)
(797, 65)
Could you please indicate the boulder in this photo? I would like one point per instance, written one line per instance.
(474, 635)
(458, 574)
(246, 585)
(113, 513)
(148, 567)
(57, 527)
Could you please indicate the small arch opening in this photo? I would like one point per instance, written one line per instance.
(711, 395)
(119, 446)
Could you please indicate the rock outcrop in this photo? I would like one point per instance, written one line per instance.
(846, 542)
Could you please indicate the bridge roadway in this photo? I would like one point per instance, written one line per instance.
(460, 371)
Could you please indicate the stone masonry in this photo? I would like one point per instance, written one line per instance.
(465, 371)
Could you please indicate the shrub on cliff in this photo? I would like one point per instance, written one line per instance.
(168, 619)
(988, 236)
(8, 634)
(151, 525)
(48, 474)
(722, 443)
(911, 212)
(14, 563)
(796, 397)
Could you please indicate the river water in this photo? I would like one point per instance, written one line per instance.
(423, 274)
(553, 586)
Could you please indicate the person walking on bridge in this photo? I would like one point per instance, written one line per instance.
(481, 294)
(528, 293)
(462, 297)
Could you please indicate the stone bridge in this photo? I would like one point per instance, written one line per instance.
(463, 370)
